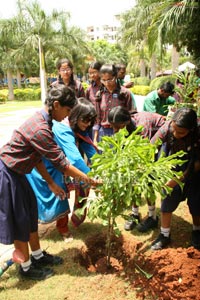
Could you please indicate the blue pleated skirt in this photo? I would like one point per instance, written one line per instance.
(18, 207)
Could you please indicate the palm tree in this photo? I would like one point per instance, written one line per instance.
(174, 22)
(50, 35)
(8, 43)
(159, 23)
(38, 31)
(134, 32)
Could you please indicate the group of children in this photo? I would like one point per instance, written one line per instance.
(37, 164)
(182, 132)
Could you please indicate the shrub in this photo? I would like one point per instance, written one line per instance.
(27, 94)
(157, 82)
(142, 90)
(3, 96)
(141, 81)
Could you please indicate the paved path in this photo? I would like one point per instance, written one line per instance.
(139, 102)
(12, 120)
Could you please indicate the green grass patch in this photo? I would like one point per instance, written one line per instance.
(10, 106)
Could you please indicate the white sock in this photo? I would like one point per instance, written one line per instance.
(165, 231)
(152, 211)
(37, 254)
(135, 211)
(26, 265)
(195, 227)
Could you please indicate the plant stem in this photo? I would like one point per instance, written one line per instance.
(147, 275)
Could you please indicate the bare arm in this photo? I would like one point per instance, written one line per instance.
(79, 176)
(56, 189)
(96, 134)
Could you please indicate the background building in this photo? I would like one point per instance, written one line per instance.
(107, 32)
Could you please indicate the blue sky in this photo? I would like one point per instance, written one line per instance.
(83, 12)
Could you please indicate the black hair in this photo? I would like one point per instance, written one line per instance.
(110, 69)
(59, 63)
(120, 114)
(167, 87)
(83, 109)
(96, 65)
(185, 118)
(61, 93)
(120, 66)
(62, 61)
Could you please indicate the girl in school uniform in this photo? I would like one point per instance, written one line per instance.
(181, 133)
(66, 76)
(111, 94)
(71, 135)
(18, 206)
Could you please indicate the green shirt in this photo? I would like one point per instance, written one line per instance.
(153, 103)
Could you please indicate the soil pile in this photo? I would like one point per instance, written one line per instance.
(168, 274)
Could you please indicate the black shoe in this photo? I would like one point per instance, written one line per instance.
(35, 273)
(161, 242)
(131, 222)
(47, 259)
(147, 224)
(195, 241)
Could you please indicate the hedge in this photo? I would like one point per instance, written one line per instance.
(141, 81)
(27, 94)
(142, 90)
(21, 94)
(3, 96)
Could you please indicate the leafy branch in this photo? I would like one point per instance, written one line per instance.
(130, 172)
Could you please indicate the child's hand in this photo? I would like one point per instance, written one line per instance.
(128, 84)
(96, 181)
(171, 183)
(92, 182)
(57, 190)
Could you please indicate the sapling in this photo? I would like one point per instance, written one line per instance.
(129, 172)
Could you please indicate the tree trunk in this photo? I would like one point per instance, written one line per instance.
(153, 66)
(43, 82)
(19, 85)
(142, 68)
(175, 58)
(10, 85)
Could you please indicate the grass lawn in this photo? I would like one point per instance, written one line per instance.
(10, 106)
(73, 281)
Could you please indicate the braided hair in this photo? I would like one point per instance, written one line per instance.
(61, 93)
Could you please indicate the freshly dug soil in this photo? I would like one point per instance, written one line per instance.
(174, 273)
